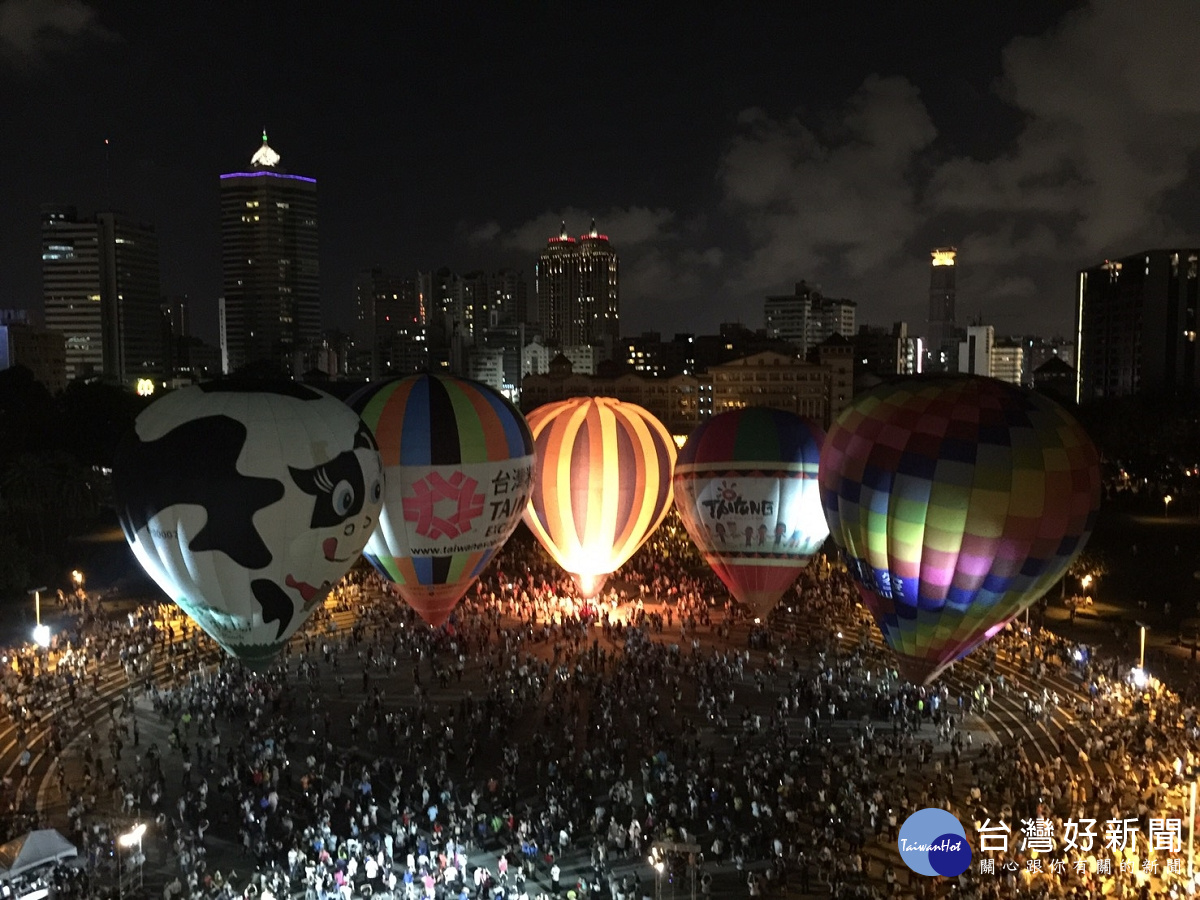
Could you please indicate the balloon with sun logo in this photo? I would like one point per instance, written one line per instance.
(246, 502)
(746, 490)
(603, 484)
(458, 459)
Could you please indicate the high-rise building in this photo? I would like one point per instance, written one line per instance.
(975, 351)
(1008, 361)
(787, 315)
(510, 301)
(1136, 325)
(101, 291)
(881, 351)
(271, 270)
(943, 334)
(578, 291)
(40, 350)
(807, 318)
(176, 335)
(389, 324)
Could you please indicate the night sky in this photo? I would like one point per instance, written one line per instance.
(728, 150)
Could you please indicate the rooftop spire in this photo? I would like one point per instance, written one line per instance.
(594, 233)
(264, 156)
(563, 231)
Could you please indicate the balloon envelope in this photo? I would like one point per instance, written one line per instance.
(746, 489)
(246, 502)
(458, 460)
(957, 502)
(602, 486)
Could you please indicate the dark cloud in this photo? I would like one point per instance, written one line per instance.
(31, 31)
(1108, 107)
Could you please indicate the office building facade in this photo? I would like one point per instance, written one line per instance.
(270, 265)
(975, 351)
(101, 291)
(1136, 325)
(390, 333)
(807, 318)
(42, 351)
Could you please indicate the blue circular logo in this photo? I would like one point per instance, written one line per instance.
(933, 842)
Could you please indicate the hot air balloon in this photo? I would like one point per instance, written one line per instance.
(458, 460)
(603, 484)
(746, 489)
(956, 501)
(246, 502)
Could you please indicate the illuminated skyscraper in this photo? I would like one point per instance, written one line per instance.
(390, 327)
(101, 291)
(943, 335)
(578, 290)
(269, 258)
(1136, 325)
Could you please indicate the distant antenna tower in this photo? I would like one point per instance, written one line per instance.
(107, 177)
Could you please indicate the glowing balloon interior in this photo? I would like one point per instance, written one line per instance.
(746, 489)
(458, 460)
(956, 503)
(246, 502)
(603, 484)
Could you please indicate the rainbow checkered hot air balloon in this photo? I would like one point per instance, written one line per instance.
(957, 501)
(458, 463)
(603, 484)
(746, 489)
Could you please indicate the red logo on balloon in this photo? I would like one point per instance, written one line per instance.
(433, 494)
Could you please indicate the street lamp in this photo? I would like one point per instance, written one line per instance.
(132, 838)
(41, 633)
(1167, 498)
(656, 862)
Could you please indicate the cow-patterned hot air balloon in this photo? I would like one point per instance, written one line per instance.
(956, 501)
(746, 489)
(458, 462)
(246, 502)
(602, 486)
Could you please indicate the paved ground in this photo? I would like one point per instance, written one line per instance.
(1108, 623)
(1004, 720)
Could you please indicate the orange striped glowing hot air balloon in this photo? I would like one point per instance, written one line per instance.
(603, 484)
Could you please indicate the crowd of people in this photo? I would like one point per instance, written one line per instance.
(540, 746)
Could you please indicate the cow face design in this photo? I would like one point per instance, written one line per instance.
(342, 488)
(247, 505)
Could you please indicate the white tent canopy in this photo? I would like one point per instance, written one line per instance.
(37, 848)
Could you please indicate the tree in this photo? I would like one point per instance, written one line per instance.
(15, 576)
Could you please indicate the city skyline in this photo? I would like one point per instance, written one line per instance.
(1029, 138)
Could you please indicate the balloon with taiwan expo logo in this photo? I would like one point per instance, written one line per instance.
(458, 462)
(603, 484)
(956, 502)
(746, 489)
(246, 501)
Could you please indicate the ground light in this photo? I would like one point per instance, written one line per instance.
(132, 838)
(41, 633)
